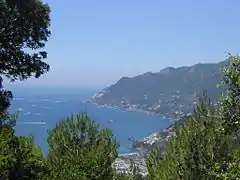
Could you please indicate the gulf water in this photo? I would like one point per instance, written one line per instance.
(40, 110)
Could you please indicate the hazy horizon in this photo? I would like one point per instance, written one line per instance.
(95, 87)
(95, 43)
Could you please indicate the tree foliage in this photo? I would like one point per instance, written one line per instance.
(79, 149)
(24, 30)
(230, 103)
(19, 157)
(24, 25)
(205, 146)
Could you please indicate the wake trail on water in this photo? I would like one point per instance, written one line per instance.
(37, 123)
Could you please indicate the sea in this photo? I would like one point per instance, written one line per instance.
(40, 109)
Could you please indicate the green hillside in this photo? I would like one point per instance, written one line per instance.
(171, 92)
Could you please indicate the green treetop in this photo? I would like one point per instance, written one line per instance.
(24, 30)
(79, 149)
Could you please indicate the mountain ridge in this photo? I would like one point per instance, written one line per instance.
(171, 92)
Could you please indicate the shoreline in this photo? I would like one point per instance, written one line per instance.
(123, 162)
(163, 116)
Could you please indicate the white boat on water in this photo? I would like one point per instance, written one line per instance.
(111, 120)
(42, 122)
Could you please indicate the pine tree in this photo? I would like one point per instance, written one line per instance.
(79, 149)
(206, 146)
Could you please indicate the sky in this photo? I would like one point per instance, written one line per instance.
(96, 42)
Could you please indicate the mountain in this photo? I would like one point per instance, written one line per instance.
(171, 92)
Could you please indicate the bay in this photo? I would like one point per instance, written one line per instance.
(41, 108)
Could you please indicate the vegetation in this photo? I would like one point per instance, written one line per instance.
(169, 91)
(78, 148)
(24, 28)
(19, 157)
(206, 144)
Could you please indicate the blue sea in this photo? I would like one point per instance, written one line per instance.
(38, 105)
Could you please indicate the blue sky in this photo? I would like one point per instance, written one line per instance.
(95, 42)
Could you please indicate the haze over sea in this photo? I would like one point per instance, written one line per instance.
(51, 105)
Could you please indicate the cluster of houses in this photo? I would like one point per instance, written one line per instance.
(124, 164)
(158, 136)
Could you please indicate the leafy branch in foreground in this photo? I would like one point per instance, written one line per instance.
(24, 28)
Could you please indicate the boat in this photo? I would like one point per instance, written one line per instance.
(42, 122)
(131, 138)
(111, 120)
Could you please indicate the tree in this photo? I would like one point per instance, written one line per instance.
(230, 103)
(24, 28)
(19, 158)
(175, 162)
(205, 146)
(195, 149)
(229, 112)
(79, 149)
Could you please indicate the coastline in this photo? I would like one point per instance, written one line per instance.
(139, 147)
(136, 149)
(124, 162)
(131, 109)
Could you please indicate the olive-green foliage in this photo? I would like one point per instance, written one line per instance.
(206, 145)
(79, 149)
(182, 158)
(129, 177)
(197, 148)
(229, 112)
(19, 158)
(230, 103)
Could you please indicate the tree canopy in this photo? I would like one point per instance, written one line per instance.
(206, 146)
(24, 26)
(79, 149)
(19, 157)
(24, 30)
